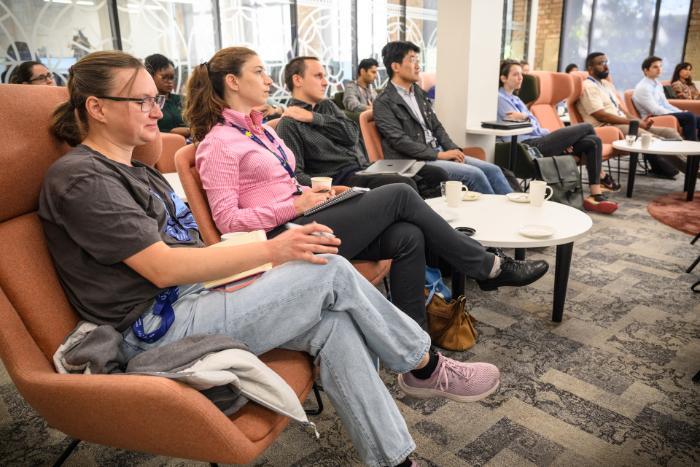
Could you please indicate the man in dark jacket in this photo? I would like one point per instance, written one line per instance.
(326, 143)
(410, 129)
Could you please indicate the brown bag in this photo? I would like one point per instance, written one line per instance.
(449, 323)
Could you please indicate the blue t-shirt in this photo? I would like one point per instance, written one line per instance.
(511, 103)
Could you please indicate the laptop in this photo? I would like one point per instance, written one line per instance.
(404, 167)
(505, 125)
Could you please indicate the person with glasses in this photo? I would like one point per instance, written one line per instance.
(126, 260)
(162, 70)
(32, 72)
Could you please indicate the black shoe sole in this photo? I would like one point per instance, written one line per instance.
(495, 286)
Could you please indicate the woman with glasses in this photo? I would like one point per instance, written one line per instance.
(129, 255)
(32, 73)
(162, 70)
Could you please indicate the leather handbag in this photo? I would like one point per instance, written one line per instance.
(449, 323)
(562, 174)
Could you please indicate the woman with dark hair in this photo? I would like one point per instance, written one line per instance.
(248, 174)
(682, 82)
(31, 72)
(580, 138)
(129, 255)
(163, 72)
(570, 68)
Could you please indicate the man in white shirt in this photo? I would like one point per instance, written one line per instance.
(650, 99)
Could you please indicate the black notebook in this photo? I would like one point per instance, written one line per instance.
(505, 125)
(346, 195)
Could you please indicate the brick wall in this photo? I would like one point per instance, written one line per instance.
(548, 32)
(692, 45)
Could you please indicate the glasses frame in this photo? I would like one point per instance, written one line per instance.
(46, 77)
(158, 100)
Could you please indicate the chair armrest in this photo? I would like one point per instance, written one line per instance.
(665, 121)
(608, 134)
(475, 152)
(687, 105)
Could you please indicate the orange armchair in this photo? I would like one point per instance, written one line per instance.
(134, 412)
(665, 121)
(171, 143)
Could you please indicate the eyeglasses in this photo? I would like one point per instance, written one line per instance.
(46, 77)
(603, 63)
(147, 103)
(413, 59)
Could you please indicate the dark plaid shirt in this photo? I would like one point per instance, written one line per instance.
(327, 147)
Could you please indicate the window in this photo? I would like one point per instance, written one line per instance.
(56, 34)
(516, 29)
(627, 31)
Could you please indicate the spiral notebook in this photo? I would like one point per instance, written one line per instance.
(344, 196)
(241, 279)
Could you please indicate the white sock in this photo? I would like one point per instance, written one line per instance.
(496, 268)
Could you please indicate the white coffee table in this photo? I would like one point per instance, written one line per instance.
(497, 221)
(690, 149)
(174, 182)
(496, 132)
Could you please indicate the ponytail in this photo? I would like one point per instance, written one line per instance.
(65, 124)
(205, 89)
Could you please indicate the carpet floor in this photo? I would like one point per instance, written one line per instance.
(610, 385)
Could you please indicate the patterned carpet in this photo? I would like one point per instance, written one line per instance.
(610, 385)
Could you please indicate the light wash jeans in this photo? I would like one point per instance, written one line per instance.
(477, 175)
(335, 315)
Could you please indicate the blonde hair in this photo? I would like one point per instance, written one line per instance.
(92, 75)
(205, 89)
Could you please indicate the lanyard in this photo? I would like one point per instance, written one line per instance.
(163, 308)
(281, 157)
(607, 91)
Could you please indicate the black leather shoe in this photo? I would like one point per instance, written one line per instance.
(515, 273)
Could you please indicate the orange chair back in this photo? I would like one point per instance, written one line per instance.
(577, 78)
(554, 88)
(196, 196)
(171, 143)
(370, 135)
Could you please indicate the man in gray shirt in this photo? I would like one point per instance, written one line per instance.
(360, 94)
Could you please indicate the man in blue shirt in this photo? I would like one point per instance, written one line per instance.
(650, 100)
(578, 139)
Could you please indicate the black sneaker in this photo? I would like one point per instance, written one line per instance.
(609, 183)
(515, 273)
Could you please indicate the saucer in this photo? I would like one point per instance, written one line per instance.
(518, 197)
(536, 231)
(471, 196)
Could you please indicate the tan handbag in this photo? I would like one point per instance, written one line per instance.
(449, 323)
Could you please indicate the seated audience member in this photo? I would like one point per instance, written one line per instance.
(650, 99)
(326, 143)
(360, 94)
(570, 68)
(118, 249)
(410, 129)
(682, 82)
(163, 72)
(525, 66)
(580, 138)
(32, 72)
(248, 174)
(600, 105)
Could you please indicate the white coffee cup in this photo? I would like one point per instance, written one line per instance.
(452, 192)
(321, 183)
(630, 139)
(646, 140)
(538, 190)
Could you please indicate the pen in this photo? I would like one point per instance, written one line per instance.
(292, 225)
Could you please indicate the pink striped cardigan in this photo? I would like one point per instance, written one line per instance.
(247, 187)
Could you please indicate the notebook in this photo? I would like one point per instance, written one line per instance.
(240, 239)
(405, 167)
(505, 125)
(344, 196)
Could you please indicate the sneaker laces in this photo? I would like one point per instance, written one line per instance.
(447, 366)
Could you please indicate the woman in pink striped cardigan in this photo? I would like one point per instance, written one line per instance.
(248, 175)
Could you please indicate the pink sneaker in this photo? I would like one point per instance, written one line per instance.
(461, 382)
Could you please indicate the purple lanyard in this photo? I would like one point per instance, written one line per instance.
(281, 157)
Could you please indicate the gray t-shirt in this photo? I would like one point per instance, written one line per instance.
(96, 212)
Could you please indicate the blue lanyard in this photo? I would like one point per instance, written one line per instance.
(281, 157)
(163, 308)
(607, 91)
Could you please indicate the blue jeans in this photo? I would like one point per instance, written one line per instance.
(332, 313)
(477, 175)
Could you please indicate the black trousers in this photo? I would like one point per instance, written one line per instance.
(426, 182)
(393, 222)
(689, 123)
(584, 141)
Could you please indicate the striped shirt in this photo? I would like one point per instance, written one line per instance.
(246, 186)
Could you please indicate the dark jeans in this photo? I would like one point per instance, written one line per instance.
(582, 138)
(426, 182)
(689, 123)
(393, 222)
